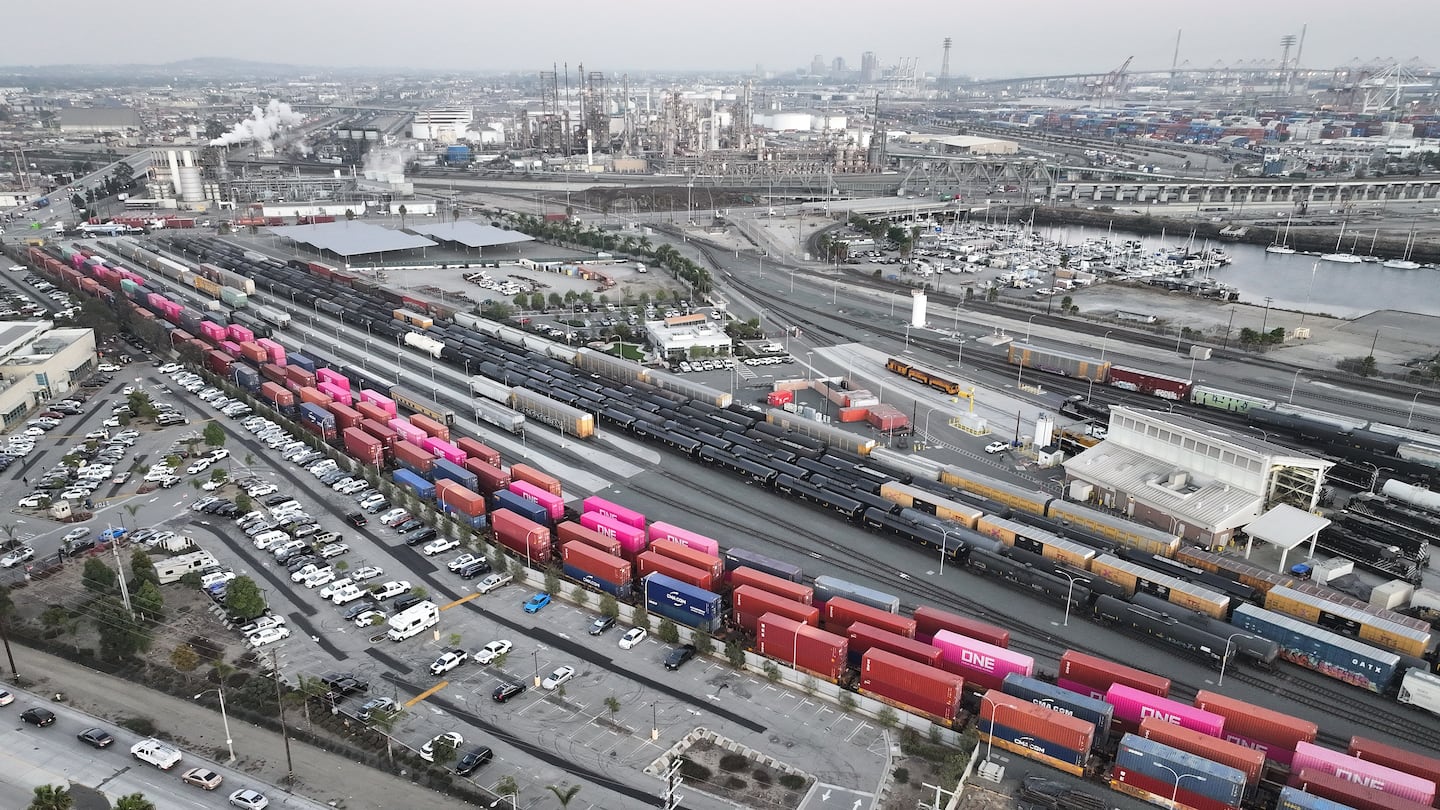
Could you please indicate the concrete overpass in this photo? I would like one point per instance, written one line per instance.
(1174, 190)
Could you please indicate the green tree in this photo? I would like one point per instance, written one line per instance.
(214, 435)
(243, 598)
(506, 786)
(99, 577)
(564, 793)
(134, 801)
(149, 602)
(668, 632)
(735, 654)
(609, 608)
(142, 569)
(349, 214)
(442, 753)
(52, 797)
(612, 704)
(122, 636)
(552, 581)
(124, 174)
(703, 643)
(184, 658)
(537, 301)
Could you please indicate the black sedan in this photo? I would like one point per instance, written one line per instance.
(95, 737)
(357, 519)
(505, 691)
(38, 717)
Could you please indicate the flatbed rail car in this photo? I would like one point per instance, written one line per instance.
(409, 399)
(1054, 361)
(923, 376)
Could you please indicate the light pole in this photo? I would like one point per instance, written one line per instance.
(535, 654)
(1179, 777)
(1104, 344)
(224, 718)
(808, 367)
(1068, 593)
(1411, 415)
(1225, 658)
(944, 539)
(990, 743)
(1028, 321)
(907, 335)
(1294, 382)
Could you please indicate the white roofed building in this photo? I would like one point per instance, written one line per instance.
(442, 124)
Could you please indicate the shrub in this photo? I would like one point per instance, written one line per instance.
(761, 776)
(694, 771)
(734, 762)
(792, 781)
(902, 775)
(772, 672)
(668, 632)
(736, 783)
(143, 726)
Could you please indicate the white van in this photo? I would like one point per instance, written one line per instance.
(156, 753)
(413, 620)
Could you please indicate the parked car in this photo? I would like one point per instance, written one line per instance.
(493, 650)
(678, 656)
(559, 677)
(536, 602)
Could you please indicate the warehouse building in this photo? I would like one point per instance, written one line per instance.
(964, 144)
(676, 337)
(39, 363)
(1189, 477)
(95, 120)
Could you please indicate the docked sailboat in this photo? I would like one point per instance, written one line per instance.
(1337, 256)
(1404, 263)
(1283, 246)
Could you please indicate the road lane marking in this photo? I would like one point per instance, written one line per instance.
(427, 693)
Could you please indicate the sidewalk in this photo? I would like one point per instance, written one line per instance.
(319, 775)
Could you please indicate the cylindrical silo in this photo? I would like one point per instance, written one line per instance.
(918, 302)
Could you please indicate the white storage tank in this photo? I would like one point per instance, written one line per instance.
(1413, 495)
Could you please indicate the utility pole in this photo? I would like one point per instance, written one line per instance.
(672, 782)
(280, 708)
(125, 589)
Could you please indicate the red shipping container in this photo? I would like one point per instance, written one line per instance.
(777, 398)
(282, 397)
(1046, 724)
(840, 613)
(522, 536)
(314, 396)
(491, 479)
(1397, 758)
(364, 447)
(433, 429)
(928, 620)
(745, 575)
(914, 685)
(216, 360)
(524, 472)
(886, 417)
(345, 416)
(459, 498)
(1139, 784)
(370, 410)
(1344, 791)
(571, 532)
(381, 431)
(691, 557)
(1266, 730)
(1095, 675)
(750, 603)
(475, 449)
(866, 637)
(272, 372)
(297, 378)
(852, 414)
(1247, 760)
(649, 562)
(418, 458)
(593, 561)
(254, 352)
(809, 648)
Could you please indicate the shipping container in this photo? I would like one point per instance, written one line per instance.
(839, 613)
(1371, 774)
(660, 530)
(489, 479)
(282, 398)
(554, 504)
(382, 432)
(476, 450)
(443, 449)
(1203, 777)
(423, 489)
(1162, 791)
(910, 685)
(455, 497)
(690, 556)
(737, 557)
(982, 664)
(863, 637)
(375, 398)
(770, 583)
(345, 416)
(413, 458)
(1425, 767)
(648, 562)
(1035, 732)
(682, 603)
(317, 420)
(532, 511)
(1296, 799)
(525, 537)
(431, 427)
(371, 411)
(571, 532)
(449, 470)
(1132, 706)
(314, 396)
(1360, 797)
(524, 472)
(335, 378)
(1093, 676)
(632, 540)
(1091, 710)
(219, 362)
(827, 586)
(1273, 734)
(928, 620)
(804, 647)
(1247, 760)
(298, 378)
(607, 572)
(1348, 620)
(364, 447)
(1328, 653)
(750, 603)
(407, 431)
(335, 392)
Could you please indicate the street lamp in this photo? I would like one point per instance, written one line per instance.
(535, 654)
(1104, 343)
(1411, 415)
(990, 743)
(1068, 593)
(1225, 658)
(808, 367)
(1179, 777)
(499, 801)
(1028, 321)
(1294, 382)
(224, 718)
(944, 539)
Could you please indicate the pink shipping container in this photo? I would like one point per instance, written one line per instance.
(685, 537)
(1265, 730)
(238, 333)
(231, 348)
(632, 540)
(981, 663)
(407, 431)
(1132, 706)
(614, 510)
(443, 449)
(335, 392)
(333, 377)
(1370, 774)
(554, 504)
(275, 350)
(388, 404)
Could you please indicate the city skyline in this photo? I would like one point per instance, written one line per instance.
(1018, 39)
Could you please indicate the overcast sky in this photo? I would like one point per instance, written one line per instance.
(996, 38)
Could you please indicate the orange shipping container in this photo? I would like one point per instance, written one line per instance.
(690, 556)
(853, 414)
(314, 396)
(524, 472)
(459, 498)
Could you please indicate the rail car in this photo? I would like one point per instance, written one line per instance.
(1190, 641)
(1251, 649)
(925, 377)
(1054, 361)
(406, 398)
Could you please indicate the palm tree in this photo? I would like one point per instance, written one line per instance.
(50, 797)
(403, 211)
(134, 801)
(564, 794)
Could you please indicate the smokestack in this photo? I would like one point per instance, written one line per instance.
(945, 63)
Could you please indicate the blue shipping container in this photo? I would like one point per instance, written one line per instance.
(300, 360)
(1028, 740)
(450, 471)
(505, 499)
(1170, 765)
(474, 522)
(1296, 799)
(318, 416)
(247, 378)
(1064, 701)
(619, 590)
(422, 488)
(683, 603)
(1315, 648)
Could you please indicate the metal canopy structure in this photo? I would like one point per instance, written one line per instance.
(1285, 527)
(470, 234)
(349, 239)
